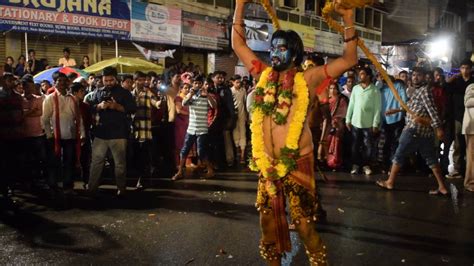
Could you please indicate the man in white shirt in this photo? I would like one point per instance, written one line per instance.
(239, 95)
(63, 126)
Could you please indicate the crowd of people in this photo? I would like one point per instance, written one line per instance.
(147, 125)
(34, 65)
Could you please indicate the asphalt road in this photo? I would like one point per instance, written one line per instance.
(214, 222)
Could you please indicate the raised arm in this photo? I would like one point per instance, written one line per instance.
(239, 44)
(314, 76)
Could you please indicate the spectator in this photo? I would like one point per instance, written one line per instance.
(455, 111)
(85, 62)
(78, 92)
(403, 76)
(441, 100)
(142, 127)
(347, 88)
(72, 76)
(33, 66)
(239, 133)
(392, 125)
(18, 88)
(338, 109)
(21, 66)
(163, 125)
(34, 153)
(418, 133)
(199, 102)
(127, 82)
(468, 131)
(45, 63)
(113, 105)
(182, 118)
(45, 86)
(8, 67)
(91, 85)
(363, 120)
(227, 118)
(66, 60)
(63, 126)
(11, 129)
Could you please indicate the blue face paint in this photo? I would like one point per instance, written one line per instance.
(281, 60)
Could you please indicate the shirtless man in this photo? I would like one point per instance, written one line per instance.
(298, 185)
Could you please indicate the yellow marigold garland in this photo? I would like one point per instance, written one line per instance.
(271, 168)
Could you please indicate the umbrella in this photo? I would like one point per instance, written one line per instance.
(48, 73)
(125, 65)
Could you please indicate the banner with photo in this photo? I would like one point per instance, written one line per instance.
(155, 23)
(100, 18)
(204, 32)
(307, 34)
(258, 35)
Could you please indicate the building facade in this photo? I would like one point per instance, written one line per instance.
(205, 27)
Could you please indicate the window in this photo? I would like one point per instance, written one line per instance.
(224, 3)
(209, 2)
(316, 23)
(282, 15)
(359, 16)
(377, 20)
(309, 5)
(324, 26)
(295, 18)
(305, 21)
(368, 17)
(320, 6)
(290, 3)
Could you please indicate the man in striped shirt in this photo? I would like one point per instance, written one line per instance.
(418, 134)
(199, 102)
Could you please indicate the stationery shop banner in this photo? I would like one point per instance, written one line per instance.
(155, 23)
(258, 35)
(98, 18)
(204, 32)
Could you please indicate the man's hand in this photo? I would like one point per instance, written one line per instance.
(343, 10)
(440, 134)
(392, 111)
(425, 121)
(375, 130)
(103, 105)
(349, 126)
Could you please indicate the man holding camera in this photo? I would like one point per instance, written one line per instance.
(199, 102)
(113, 104)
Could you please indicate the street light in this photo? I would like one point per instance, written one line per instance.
(440, 49)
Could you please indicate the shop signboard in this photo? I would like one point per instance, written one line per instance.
(307, 34)
(98, 18)
(155, 23)
(204, 32)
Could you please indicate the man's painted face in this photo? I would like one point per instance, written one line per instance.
(280, 56)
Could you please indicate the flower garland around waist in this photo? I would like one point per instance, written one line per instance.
(274, 169)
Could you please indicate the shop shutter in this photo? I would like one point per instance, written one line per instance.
(227, 63)
(51, 47)
(126, 48)
(196, 58)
